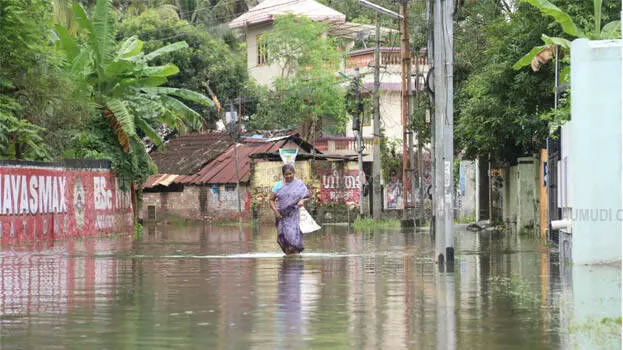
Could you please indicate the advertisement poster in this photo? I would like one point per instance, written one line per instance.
(39, 203)
(340, 186)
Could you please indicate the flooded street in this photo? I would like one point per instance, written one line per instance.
(230, 288)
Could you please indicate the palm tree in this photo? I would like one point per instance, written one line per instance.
(127, 88)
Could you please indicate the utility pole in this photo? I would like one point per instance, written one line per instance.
(235, 134)
(420, 161)
(444, 145)
(359, 141)
(407, 135)
(430, 43)
(377, 201)
(354, 106)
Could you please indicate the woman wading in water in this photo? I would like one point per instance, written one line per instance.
(285, 200)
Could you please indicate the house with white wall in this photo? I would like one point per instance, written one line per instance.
(259, 20)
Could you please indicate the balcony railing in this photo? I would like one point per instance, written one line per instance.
(389, 56)
(342, 145)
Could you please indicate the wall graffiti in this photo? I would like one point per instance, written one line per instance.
(340, 186)
(51, 203)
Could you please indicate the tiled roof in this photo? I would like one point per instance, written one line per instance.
(221, 169)
(268, 9)
(187, 154)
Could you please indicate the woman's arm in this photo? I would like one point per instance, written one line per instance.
(302, 201)
(306, 198)
(273, 205)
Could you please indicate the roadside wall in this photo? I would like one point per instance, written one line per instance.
(520, 195)
(60, 200)
(211, 202)
(334, 188)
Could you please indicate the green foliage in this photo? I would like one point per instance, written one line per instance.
(307, 91)
(391, 162)
(207, 58)
(41, 106)
(555, 118)
(418, 119)
(128, 88)
(498, 107)
(593, 31)
(368, 224)
(354, 99)
(98, 141)
(19, 138)
(563, 18)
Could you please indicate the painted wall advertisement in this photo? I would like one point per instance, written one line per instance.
(39, 203)
(340, 186)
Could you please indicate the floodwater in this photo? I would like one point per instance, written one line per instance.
(231, 288)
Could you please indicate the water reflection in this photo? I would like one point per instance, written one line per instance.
(230, 288)
(290, 327)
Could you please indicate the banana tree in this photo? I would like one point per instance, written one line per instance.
(128, 89)
(542, 54)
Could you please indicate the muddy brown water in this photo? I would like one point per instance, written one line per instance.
(231, 288)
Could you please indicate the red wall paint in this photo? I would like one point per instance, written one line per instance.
(39, 203)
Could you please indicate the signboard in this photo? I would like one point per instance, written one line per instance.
(288, 155)
(39, 203)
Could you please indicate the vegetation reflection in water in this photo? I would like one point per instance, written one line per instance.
(181, 287)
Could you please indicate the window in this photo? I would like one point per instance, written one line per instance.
(261, 50)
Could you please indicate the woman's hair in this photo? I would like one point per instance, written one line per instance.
(287, 167)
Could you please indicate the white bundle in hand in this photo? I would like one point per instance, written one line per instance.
(307, 223)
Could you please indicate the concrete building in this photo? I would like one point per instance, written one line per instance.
(590, 187)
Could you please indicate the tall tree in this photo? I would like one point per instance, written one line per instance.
(40, 107)
(497, 106)
(307, 93)
(207, 59)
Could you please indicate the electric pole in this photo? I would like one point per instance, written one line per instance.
(377, 200)
(354, 107)
(420, 162)
(235, 134)
(444, 145)
(407, 140)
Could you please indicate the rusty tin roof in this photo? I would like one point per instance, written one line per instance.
(220, 169)
(187, 154)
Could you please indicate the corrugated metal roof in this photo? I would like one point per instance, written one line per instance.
(160, 180)
(220, 168)
(268, 9)
(187, 154)
(222, 171)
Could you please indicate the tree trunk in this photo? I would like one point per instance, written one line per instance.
(134, 191)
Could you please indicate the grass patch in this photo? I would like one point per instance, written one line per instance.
(465, 220)
(177, 221)
(234, 223)
(362, 224)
